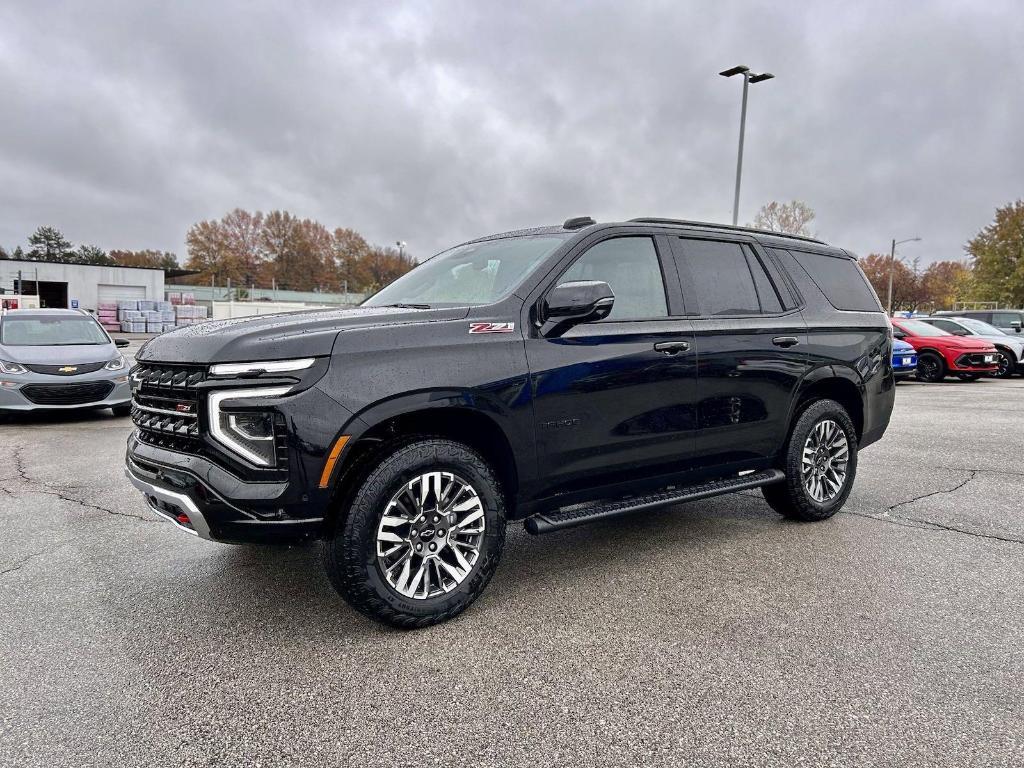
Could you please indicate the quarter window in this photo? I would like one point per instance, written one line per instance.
(630, 267)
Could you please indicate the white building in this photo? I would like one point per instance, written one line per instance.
(79, 285)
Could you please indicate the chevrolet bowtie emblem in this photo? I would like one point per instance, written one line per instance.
(68, 369)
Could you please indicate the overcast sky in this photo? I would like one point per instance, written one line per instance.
(122, 123)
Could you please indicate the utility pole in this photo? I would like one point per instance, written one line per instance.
(892, 268)
(748, 78)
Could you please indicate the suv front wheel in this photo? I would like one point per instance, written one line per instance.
(820, 463)
(422, 535)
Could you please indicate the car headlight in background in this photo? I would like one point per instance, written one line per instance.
(250, 434)
(268, 366)
(116, 364)
(11, 368)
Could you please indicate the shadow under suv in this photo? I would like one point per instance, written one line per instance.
(556, 376)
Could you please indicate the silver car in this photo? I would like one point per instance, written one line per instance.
(1011, 348)
(60, 359)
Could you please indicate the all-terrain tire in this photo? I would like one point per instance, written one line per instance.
(790, 498)
(350, 555)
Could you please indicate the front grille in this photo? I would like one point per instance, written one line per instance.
(67, 394)
(974, 359)
(166, 405)
(65, 370)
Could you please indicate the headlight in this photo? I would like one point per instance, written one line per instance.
(250, 434)
(269, 366)
(11, 368)
(116, 364)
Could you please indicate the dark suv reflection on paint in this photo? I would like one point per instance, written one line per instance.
(554, 375)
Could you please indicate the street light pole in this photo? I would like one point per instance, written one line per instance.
(892, 267)
(401, 248)
(748, 78)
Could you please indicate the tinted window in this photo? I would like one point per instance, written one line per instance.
(766, 292)
(630, 266)
(722, 278)
(946, 325)
(1003, 319)
(841, 280)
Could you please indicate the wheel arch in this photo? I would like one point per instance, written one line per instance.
(835, 383)
(453, 415)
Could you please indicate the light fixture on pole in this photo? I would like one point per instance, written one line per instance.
(401, 248)
(748, 78)
(892, 266)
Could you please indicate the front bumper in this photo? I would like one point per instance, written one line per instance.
(195, 507)
(48, 392)
(976, 362)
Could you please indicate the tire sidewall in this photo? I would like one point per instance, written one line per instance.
(940, 372)
(818, 411)
(357, 537)
(1011, 365)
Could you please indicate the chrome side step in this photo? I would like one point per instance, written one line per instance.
(568, 517)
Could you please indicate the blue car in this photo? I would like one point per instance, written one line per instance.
(904, 359)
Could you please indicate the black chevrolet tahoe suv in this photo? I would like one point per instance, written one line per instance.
(554, 376)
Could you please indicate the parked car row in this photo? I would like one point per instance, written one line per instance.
(956, 345)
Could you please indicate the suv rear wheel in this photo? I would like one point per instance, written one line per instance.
(820, 463)
(422, 536)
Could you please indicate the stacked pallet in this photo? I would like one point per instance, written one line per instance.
(189, 314)
(145, 316)
(106, 313)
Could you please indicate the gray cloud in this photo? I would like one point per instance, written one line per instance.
(123, 123)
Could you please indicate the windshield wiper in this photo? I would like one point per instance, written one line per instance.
(407, 306)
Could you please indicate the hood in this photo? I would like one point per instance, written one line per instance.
(277, 337)
(898, 345)
(964, 342)
(71, 354)
(1017, 345)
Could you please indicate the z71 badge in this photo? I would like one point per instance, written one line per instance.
(492, 327)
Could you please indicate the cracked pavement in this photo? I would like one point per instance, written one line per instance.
(714, 633)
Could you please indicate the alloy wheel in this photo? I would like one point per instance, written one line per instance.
(824, 463)
(430, 535)
(928, 367)
(1004, 366)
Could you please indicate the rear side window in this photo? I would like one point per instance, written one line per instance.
(728, 279)
(841, 280)
(1003, 319)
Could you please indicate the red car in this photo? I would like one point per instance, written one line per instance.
(940, 353)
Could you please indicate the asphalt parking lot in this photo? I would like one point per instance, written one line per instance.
(714, 633)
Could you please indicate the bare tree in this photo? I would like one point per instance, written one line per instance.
(793, 218)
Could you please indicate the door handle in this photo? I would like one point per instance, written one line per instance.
(672, 347)
(785, 341)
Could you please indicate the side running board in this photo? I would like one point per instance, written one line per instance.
(567, 517)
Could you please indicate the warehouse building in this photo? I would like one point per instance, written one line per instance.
(81, 286)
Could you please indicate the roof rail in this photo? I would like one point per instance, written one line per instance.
(731, 227)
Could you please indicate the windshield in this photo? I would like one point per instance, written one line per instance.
(468, 275)
(36, 331)
(917, 328)
(979, 327)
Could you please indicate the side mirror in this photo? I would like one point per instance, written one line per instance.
(897, 334)
(1016, 325)
(122, 343)
(960, 332)
(569, 304)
